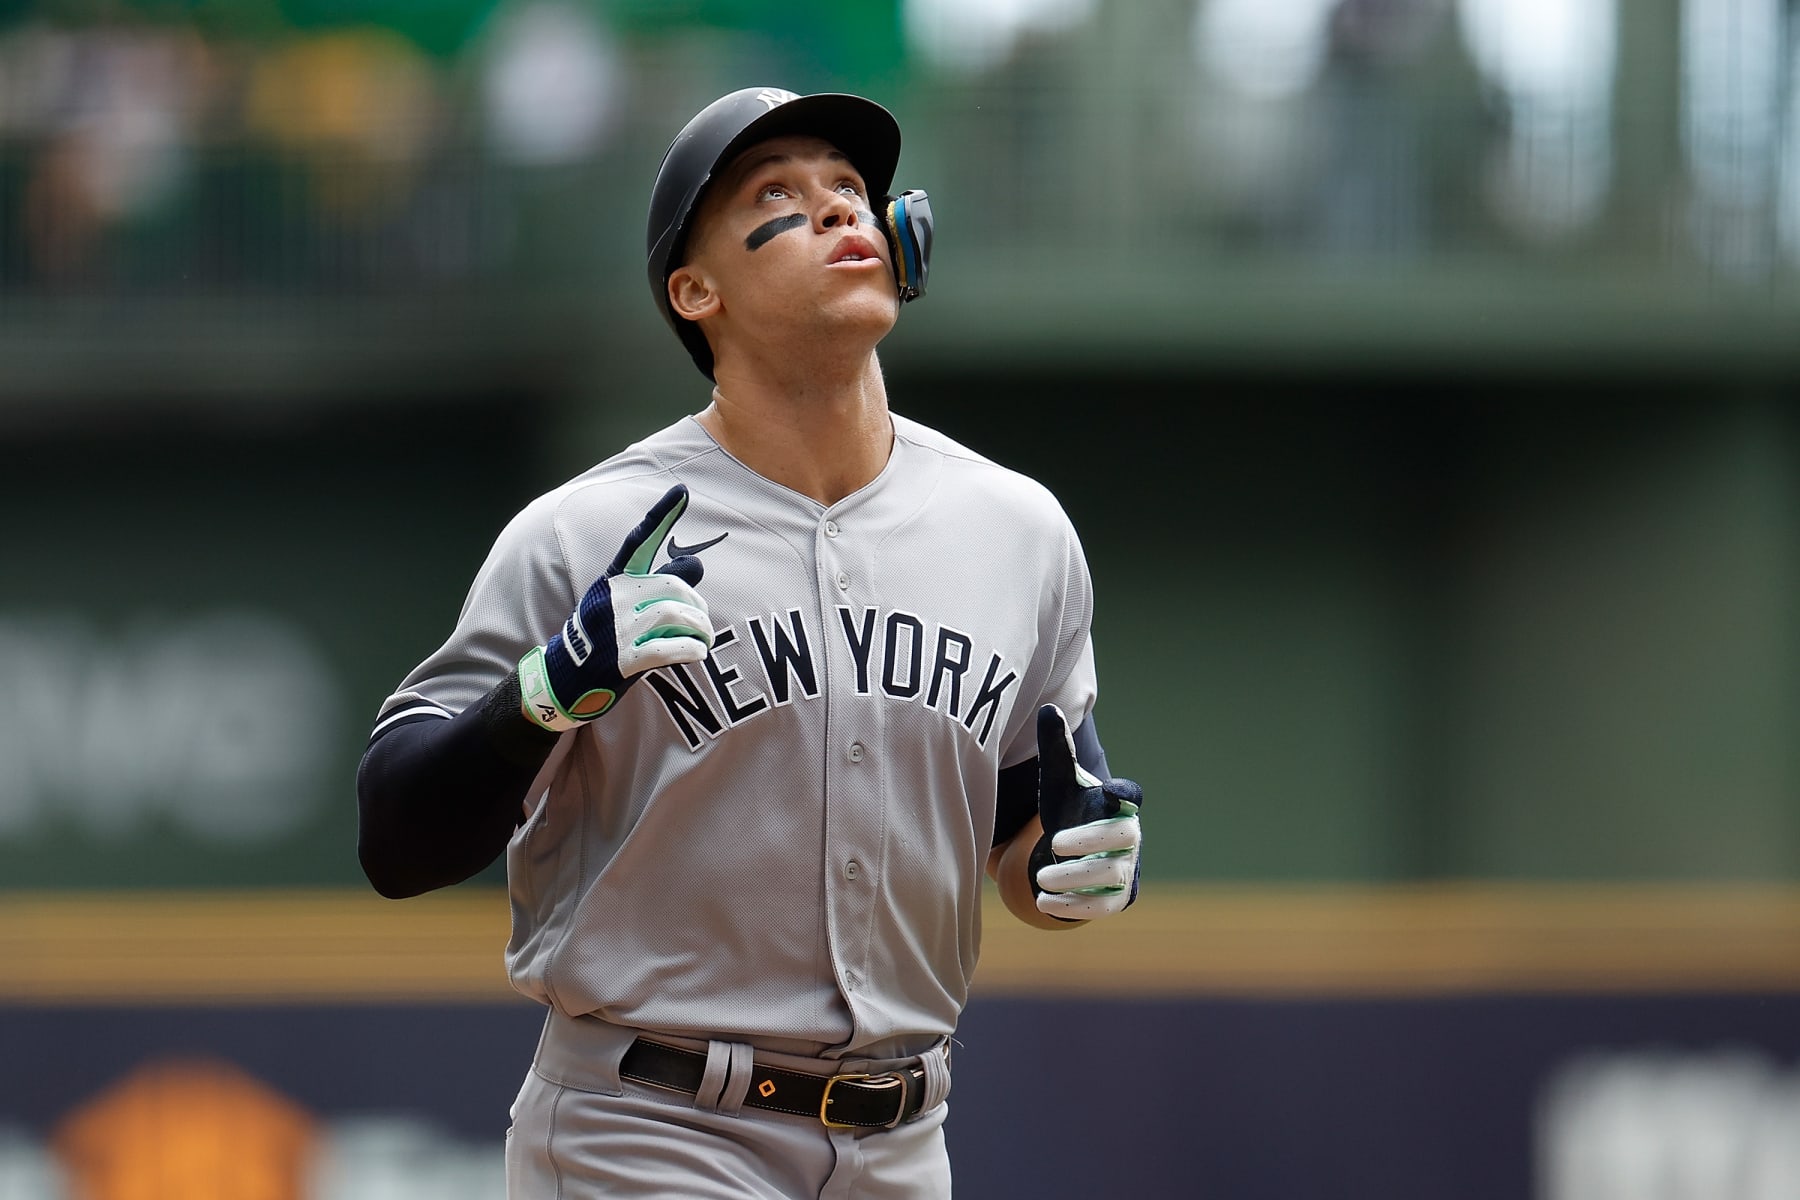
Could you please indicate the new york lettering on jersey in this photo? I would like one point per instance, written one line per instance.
(894, 654)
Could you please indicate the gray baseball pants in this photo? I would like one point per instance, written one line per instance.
(580, 1132)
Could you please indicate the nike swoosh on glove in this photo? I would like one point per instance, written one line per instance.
(1086, 864)
(630, 621)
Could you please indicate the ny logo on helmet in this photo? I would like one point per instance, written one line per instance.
(774, 96)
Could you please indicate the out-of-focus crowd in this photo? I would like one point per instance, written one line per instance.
(143, 153)
(139, 154)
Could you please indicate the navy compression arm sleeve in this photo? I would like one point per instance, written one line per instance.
(1017, 801)
(438, 800)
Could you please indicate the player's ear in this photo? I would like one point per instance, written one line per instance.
(691, 294)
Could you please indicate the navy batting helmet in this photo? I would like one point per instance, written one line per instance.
(864, 131)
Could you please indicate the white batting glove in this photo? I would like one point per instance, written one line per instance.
(1086, 864)
(1099, 877)
(631, 620)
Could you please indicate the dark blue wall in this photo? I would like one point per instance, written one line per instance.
(1388, 1099)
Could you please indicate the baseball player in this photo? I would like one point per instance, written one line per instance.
(751, 705)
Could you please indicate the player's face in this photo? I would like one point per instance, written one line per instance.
(788, 246)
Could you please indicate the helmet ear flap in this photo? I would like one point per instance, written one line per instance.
(906, 220)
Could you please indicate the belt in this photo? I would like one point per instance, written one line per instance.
(853, 1101)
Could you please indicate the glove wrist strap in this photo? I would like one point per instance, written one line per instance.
(536, 700)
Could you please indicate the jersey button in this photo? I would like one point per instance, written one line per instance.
(856, 751)
(852, 869)
(831, 529)
(843, 582)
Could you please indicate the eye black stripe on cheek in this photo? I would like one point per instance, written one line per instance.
(760, 236)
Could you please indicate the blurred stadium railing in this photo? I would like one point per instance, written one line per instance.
(1221, 180)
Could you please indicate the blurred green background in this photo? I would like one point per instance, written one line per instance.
(1418, 373)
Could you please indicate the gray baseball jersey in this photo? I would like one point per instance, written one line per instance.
(783, 844)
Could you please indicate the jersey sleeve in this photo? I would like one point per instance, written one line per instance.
(1064, 673)
(519, 598)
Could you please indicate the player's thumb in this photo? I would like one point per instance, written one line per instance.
(1060, 792)
(687, 568)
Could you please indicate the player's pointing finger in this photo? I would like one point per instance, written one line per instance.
(639, 550)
